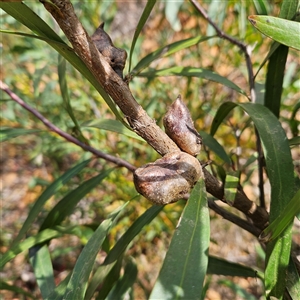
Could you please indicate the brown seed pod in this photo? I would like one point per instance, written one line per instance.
(180, 128)
(116, 57)
(169, 178)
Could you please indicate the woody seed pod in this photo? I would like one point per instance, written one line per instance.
(180, 128)
(116, 57)
(169, 178)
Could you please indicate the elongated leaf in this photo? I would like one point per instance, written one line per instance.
(66, 99)
(193, 72)
(261, 7)
(294, 141)
(99, 276)
(283, 220)
(171, 12)
(112, 125)
(280, 171)
(167, 51)
(111, 279)
(238, 291)
(124, 283)
(27, 17)
(293, 280)
(60, 290)
(66, 205)
(50, 191)
(42, 266)
(147, 10)
(220, 266)
(221, 114)
(119, 248)
(283, 31)
(214, 146)
(287, 11)
(78, 282)
(132, 232)
(184, 268)
(274, 80)
(10, 133)
(41, 237)
(4, 286)
(231, 184)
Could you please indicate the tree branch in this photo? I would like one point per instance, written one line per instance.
(118, 161)
(141, 123)
(233, 218)
(244, 48)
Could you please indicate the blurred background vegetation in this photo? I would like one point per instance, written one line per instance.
(30, 162)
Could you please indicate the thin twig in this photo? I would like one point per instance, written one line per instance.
(118, 161)
(233, 218)
(244, 48)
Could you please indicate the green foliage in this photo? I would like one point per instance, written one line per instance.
(96, 205)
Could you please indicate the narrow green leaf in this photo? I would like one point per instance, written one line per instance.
(294, 141)
(273, 48)
(280, 171)
(132, 232)
(280, 30)
(10, 133)
(171, 12)
(283, 220)
(66, 99)
(274, 80)
(79, 279)
(231, 184)
(99, 276)
(288, 9)
(260, 6)
(213, 145)
(42, 266)
(119, 248)
(219, 266)
(7, 287)
(112, 125)
(60, 290)
(184, 268)
(50, 191)
(125, 282)
(111, 279)
(27, 17)
(66, 205)
(193, 72)
(147, 10)
(41, 237)
(167, 51)
(293, 280)
(238, 291)
(220, 116)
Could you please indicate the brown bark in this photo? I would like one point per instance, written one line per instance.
(137, 117)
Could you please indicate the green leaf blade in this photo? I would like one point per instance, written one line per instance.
(50, 191)
(280, 30)
(146, 13)
(9, 133)
(42, 266)
(112, 125)
(193, 72)
(184, 267)
(79, 279)
(66, 205)
(167, 51)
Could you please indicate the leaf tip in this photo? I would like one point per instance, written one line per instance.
(252, 20)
